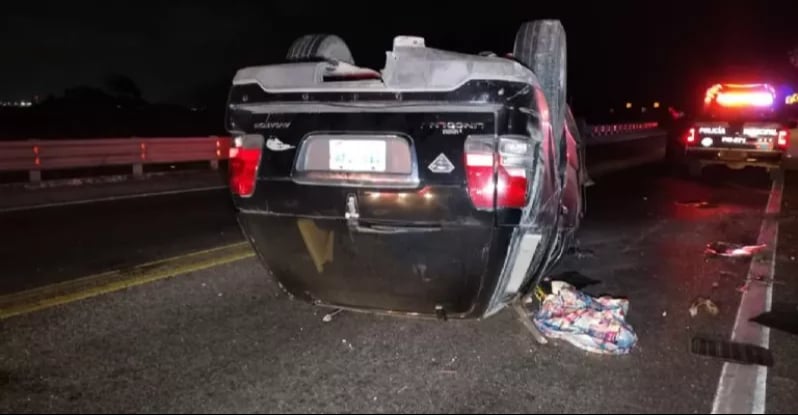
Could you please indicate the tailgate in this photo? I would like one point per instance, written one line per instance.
(385, 167)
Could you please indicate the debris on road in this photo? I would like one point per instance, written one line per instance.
(729, 250)
(763, 279)
(574, 278)
(748, 354)
(596, 325)
(329, 316)
(700, 204)
(706, 303)
(580, 252)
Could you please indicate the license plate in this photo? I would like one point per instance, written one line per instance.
(733, 140)
(357, 155)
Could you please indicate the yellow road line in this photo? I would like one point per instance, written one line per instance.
(78, 289)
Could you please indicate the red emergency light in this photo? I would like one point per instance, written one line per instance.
(741, 95)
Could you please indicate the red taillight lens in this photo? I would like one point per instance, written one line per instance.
(511, 164)
(512, 189)
(690, 138)
(783, 139)
(243, 170)
(479, 174)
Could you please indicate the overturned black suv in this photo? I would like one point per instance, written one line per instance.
(445, 184)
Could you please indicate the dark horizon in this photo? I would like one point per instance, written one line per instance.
(180, 51)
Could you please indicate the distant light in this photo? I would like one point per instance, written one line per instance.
(791, 99)
(656, 104)
(628, 105)
(374, 195)
(612, 110)
(428, 196)
(643, 109)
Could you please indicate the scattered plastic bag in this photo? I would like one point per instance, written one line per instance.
(596, 325)
(730, 250)
(705, 303)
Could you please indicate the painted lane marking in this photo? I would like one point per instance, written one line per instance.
(107, 282)
(110, 198)
(742, 388)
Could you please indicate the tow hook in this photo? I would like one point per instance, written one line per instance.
(352, 214)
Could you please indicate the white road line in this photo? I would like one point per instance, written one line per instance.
(110, 198)
(742, 388)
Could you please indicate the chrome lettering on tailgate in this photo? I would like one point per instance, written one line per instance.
(455, 127)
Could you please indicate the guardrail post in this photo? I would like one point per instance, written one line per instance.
(215, 162)
(35, 176)
(138, 169)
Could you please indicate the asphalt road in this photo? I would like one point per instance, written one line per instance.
(225, 339)
(49, 245)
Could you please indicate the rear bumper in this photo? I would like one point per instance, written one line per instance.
(456, 270)
(738, 157)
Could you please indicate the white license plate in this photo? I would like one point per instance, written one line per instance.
(734, 140)
(357, 155)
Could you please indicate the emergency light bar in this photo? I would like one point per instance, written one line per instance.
(739, 95)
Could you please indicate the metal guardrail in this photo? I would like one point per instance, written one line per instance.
(619, 129)
(37, 155)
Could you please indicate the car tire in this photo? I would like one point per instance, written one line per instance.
(320, 46)
(541, 46)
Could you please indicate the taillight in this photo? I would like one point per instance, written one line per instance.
(516, 159)
(244, 160)
(512, 163)
(479, 162)
(783, 139)
(690, 138)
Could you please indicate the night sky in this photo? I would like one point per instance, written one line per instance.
(175, 49)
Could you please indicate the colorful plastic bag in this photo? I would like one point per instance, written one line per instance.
(596, 325)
